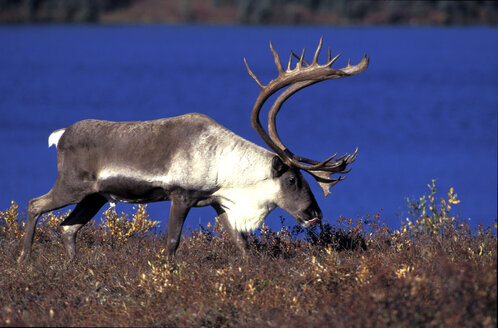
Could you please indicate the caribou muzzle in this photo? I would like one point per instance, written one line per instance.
(311, 216)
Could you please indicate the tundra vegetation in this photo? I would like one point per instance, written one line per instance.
(356, 272)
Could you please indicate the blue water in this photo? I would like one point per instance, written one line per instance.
(425, 108)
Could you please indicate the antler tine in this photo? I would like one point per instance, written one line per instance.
(298, 57)
(314, 164)
(301, 59)
(331, 61)
(353, 156)
(345, 171)
(344, 160)
(321, 177)
(252, 75)
(358, 68)
(350, 158)
(325, 182)
(317, 52)
(310, 161)
(289, 64)
(355, 153)
(319, 165)
(277, 60)
(328, 166)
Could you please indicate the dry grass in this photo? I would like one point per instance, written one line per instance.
(434, 271)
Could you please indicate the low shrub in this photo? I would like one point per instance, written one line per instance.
(433, 271)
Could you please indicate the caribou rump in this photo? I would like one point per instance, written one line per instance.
(192, 161)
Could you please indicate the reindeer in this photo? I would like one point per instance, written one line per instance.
(191, 160)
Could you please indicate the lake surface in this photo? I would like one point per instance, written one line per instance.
(425, 109)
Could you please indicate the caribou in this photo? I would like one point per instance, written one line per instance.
(191, 160)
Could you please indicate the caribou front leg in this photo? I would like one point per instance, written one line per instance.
(240, 238)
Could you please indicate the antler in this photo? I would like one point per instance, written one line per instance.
(303, 75)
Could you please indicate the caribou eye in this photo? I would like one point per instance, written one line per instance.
(291, 181)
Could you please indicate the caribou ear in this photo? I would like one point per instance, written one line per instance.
(278, 166)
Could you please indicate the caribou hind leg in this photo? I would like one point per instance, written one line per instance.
(61, 195)
(36, 207)
(82, 213)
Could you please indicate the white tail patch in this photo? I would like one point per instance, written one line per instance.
(54, 137)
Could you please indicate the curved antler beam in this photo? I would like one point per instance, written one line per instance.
(302, 76)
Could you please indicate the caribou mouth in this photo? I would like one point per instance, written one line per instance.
(314, 221)
(308, 223)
